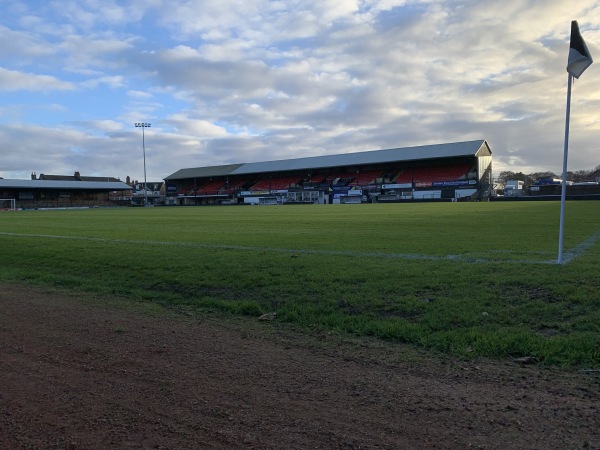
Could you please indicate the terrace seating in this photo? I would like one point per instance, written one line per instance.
(320, 180)
(233, 186)
(440, 173)
(432, 174)
(406, 176)
(187, 190)
(276, 183)
(211, 188)
(338, 179)
(365, 178)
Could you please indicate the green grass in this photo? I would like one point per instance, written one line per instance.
(470, 279)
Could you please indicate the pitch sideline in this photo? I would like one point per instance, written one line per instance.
(569, 256)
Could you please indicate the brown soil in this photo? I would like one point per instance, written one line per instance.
(87, 373)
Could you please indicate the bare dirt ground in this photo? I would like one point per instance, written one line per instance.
(83, 373)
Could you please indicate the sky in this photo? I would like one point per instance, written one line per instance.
(234, 81)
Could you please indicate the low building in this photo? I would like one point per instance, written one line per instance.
(61, 191)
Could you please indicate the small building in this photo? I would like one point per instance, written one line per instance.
(514, 188)
(151, 192)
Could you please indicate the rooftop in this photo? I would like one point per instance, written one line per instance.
(425, 152)
(64, 184)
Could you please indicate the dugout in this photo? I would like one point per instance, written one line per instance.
(441, 172)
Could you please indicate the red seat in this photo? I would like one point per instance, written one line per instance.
(211, 188)
(278, 183)
(366, 178)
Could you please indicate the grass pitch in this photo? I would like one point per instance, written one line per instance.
(471, 279)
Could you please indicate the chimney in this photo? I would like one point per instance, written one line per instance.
(33, 176)
(77, 174)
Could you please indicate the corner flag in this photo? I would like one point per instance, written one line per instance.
(579, 55)
(579, 60)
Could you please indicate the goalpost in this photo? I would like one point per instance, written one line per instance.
(8, 204)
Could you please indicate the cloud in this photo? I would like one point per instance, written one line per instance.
(139, 95)
(94, 13)
(230, 81)
(12, 80)
(201, 129)
(19, 45)
(115, 81)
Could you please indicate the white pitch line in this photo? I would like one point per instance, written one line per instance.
(581, 248)
(466, 257)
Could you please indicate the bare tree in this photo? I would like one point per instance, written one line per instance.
(506, 175)
(536, 176)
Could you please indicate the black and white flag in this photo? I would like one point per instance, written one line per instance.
(579, 55)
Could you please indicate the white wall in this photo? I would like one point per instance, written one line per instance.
(427, 194)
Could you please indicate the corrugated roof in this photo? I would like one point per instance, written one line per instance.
(55, 184)
(203, 172)
(450, 150)
(76, 177)
(101, 179)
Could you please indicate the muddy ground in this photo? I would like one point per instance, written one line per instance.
(88, 373)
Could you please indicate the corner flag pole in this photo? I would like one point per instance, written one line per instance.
(563, 192)
(579, 60)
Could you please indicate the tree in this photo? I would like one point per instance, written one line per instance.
(581, 175)
(506, 175)
(536, 176)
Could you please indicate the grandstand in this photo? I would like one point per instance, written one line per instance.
(442, 172)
